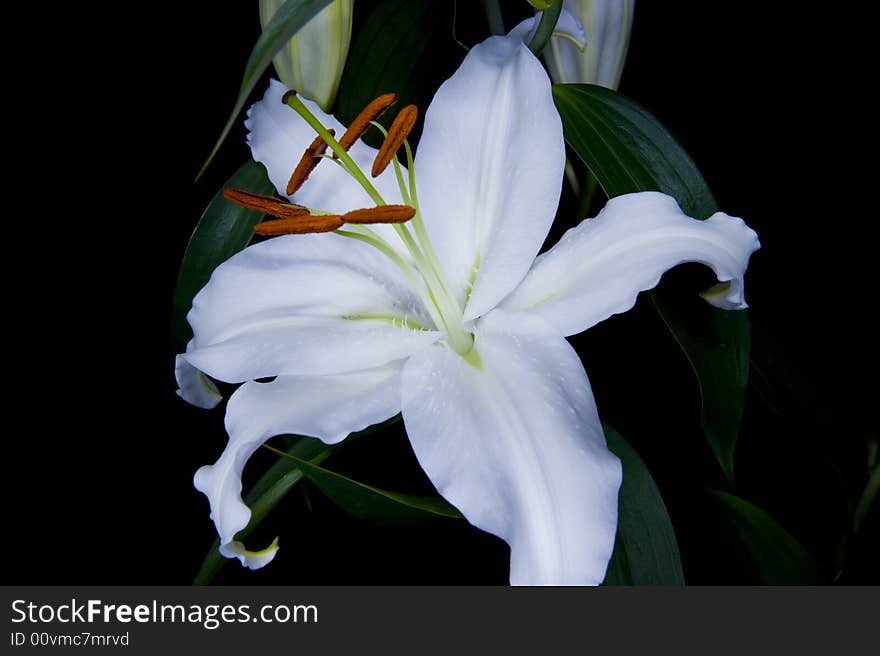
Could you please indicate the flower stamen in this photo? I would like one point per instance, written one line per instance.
(362, 121)
(299, 226)
(398, 132)
(307, 163)
(291, 100)
(381, 214)
(265, 204)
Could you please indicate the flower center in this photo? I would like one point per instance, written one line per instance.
(423, 268)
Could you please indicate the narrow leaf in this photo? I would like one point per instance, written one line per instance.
(768, 552)
(629, 150)
(286, 22)
(223, 230)
(645, 551)
(372, 503)
(396, 51)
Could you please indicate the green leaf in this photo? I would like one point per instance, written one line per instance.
(767, 551)
(223, 230)
(629, 150)
(717, 344)
(645, 551)
(374, 504)
(396, 51)
(286, 22)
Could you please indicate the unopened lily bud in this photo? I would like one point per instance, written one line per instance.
(312, 61)
(606, 25)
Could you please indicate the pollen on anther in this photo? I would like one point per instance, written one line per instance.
(299, 225)
(398, 132)
(307, 163)
(362, 121)
(380, 214)
(265, 204)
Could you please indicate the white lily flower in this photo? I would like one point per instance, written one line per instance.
(456, 323)
(599, 56)
(312, 61)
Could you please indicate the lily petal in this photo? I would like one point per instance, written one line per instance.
(489, 169)
(250, 559)
(326, 407)
(194, 387)
(515, 443)
(599, 267)
(305, 305)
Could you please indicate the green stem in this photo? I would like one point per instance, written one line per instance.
(546, 27)
(572, 177)
(590, 186)
(493, 16)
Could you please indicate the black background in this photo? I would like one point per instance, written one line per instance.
(114, 109)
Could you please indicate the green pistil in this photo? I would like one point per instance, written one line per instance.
(461, 340)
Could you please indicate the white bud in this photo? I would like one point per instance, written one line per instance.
(606, 24)
(313, 60)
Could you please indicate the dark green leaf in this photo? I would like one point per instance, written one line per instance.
(223, 230)
(767, 551)
(397, 50)
(374, 504)
(717, 345)
(286, 22)
(645, 551)
(629, 150)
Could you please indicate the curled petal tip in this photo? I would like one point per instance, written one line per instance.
(250, 559)
(194, 387)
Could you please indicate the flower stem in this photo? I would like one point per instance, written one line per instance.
(545, 28)
(493, 16)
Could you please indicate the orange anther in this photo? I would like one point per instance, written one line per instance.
(265, 204)
(398, 132)
(380, 214)
(362, 121)
(307, 163)
(299, 226)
